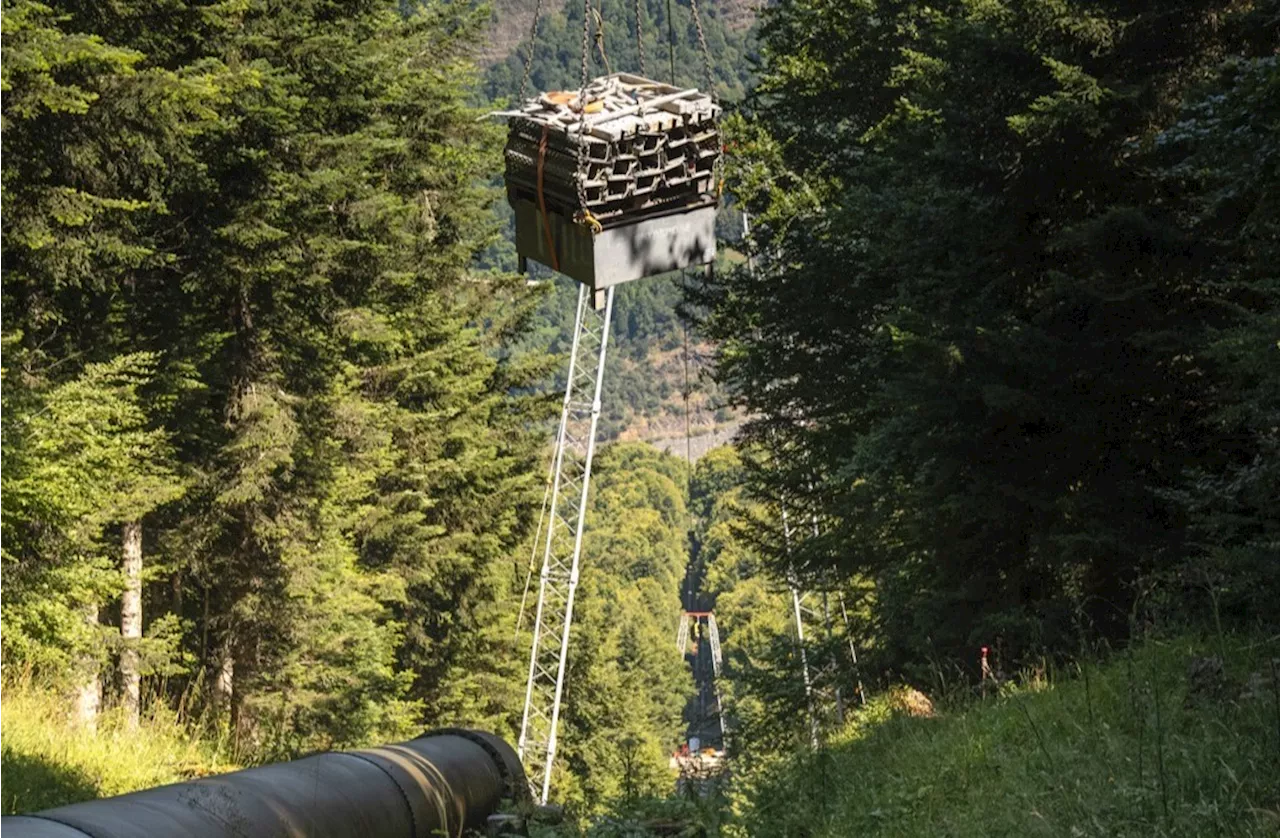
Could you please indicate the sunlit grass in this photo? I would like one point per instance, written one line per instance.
(48, 761)
(1132, 747)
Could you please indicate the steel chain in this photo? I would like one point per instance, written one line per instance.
(640, 37)
(587, 11)
(582, 110)
(528, 61)
(706, 53)
(717, 168)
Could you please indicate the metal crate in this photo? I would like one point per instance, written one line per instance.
(656, 245)
(640, 199)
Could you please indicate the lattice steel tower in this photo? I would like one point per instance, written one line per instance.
(571, 478)
(800, 608)
(810, 607)
(687, 621)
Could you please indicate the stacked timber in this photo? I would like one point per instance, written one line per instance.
(632, 148)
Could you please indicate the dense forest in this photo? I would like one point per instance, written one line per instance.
(1004, 338)
(249, 404)
(1012, 335)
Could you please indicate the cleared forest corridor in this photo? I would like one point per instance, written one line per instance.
(701, 759)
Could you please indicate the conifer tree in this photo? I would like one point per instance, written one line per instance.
(354, 427)
(279, 206)
(972, 333)
(1220, 158)
(88, 126)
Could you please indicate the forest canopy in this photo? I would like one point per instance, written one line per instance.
(238, 314)
(1011, 333)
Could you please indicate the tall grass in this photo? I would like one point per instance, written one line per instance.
(1129, 747)
(49, 761)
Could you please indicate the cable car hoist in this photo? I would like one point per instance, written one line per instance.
(615, 182)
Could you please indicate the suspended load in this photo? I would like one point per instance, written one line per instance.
(621, 185)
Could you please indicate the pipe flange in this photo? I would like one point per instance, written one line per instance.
(504, 758)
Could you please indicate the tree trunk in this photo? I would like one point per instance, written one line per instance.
(131, 624)
(89, 692)
(175, 593)
(224, 678)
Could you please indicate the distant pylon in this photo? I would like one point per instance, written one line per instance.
(798, 609)
(713, 636)
(717, 664)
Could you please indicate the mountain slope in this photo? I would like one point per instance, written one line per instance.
(510, 20)
(509, 23)
(727, 26)
(1167, 739)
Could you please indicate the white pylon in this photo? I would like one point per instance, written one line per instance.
(687, 621)
(717, 663)
(830, 633)
(853, 653)
(713, 636)
(798, 607)
(575, 448)
(828, 623)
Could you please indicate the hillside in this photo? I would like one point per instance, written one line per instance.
(48, 760)
(1161, 740)
(1164, 740)
(509, 22)
(557, 59)
(647, 363)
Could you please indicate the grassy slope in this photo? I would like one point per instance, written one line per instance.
(48, 762)
(1127, 748)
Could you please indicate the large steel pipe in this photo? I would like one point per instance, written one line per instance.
(445, 783)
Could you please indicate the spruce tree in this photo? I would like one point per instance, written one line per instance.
(971, 336)
(88, 129)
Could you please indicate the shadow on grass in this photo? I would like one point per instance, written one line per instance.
(32, 783)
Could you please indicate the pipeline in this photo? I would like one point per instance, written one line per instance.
(444, 783)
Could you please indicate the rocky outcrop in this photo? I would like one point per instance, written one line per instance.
(509, 25)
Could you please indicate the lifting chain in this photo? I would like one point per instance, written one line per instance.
(588, 12)
(640, 37)
(584, 213)
(717, 172)
(706, 53)
(528, 61)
